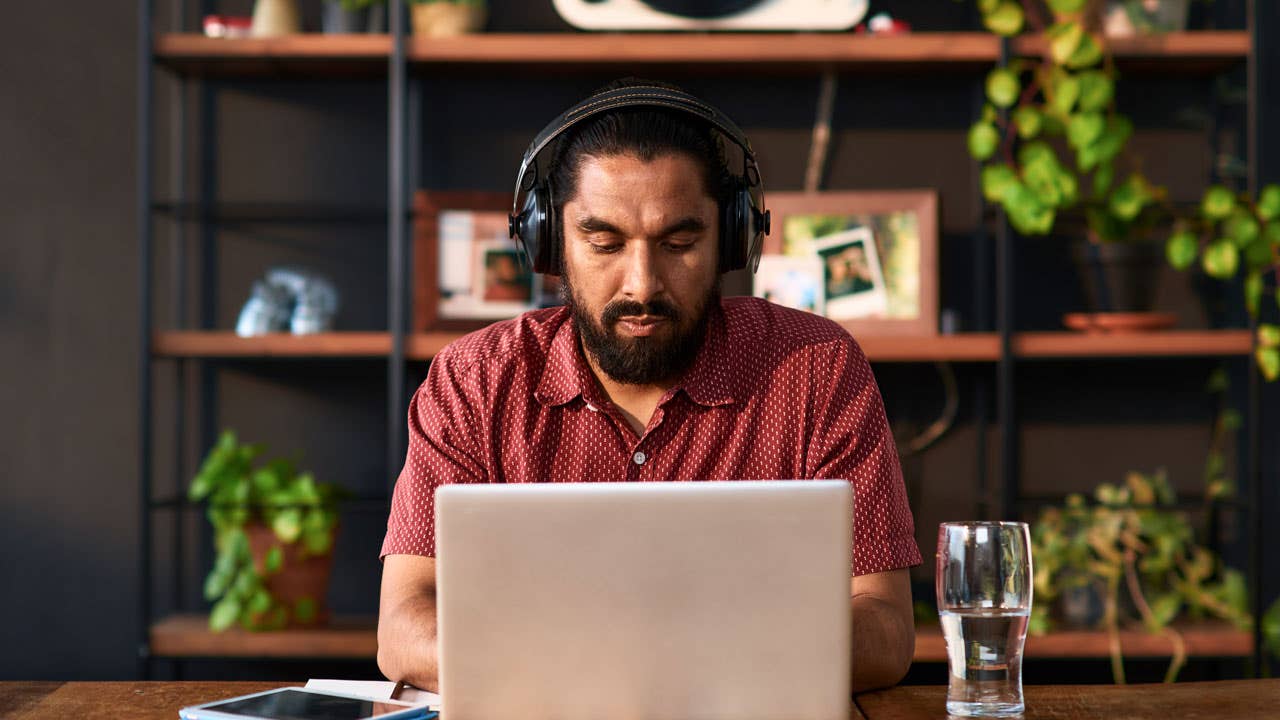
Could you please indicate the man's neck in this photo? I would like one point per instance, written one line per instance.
(636, 402)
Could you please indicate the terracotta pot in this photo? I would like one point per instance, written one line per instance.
(299, 577)
(443, 19)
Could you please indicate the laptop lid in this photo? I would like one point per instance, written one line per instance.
(697, 600)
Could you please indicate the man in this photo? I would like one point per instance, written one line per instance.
(647, 374)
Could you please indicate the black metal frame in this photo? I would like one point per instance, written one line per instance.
(404, 112)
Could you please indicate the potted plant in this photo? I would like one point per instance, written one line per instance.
(274, 530)
(1060, 149)
(354, 16)
(1137, 556)
(1232, 234)
(442, 18)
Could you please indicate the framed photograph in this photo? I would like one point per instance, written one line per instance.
(792, 281)
(467, 271)
(873, 255)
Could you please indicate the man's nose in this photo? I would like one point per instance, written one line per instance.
(642, 281)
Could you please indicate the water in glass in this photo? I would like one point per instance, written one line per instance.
(984, 648)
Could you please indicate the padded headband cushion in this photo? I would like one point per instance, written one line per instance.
(640, 96)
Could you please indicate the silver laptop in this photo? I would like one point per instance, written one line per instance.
(636, 601)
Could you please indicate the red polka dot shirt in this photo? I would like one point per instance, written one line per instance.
(774, 393)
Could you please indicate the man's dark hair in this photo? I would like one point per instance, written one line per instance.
(646, 132)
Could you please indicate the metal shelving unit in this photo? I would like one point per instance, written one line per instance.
(397, 57)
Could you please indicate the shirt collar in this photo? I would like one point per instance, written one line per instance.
(708, 382)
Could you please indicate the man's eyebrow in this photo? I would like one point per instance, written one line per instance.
(590, 224)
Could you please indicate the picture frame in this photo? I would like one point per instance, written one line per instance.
(873, 256)
(467, 271)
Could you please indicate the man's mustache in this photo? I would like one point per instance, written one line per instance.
(619, 309)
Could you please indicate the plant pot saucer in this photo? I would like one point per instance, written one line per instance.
(1119, 322)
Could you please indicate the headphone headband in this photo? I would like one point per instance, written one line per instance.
(638, 96)
(744, 221)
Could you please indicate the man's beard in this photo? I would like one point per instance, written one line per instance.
(641, 360)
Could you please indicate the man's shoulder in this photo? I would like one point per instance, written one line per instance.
(754, 322)
(522, 340)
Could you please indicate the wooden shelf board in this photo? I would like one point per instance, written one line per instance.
(188, 635)
(326, 55)
(963, 347)
(1208, 639)
(1165, 343)
(195, 343)
(314, 55)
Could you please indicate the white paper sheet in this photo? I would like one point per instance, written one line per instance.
(377, 690)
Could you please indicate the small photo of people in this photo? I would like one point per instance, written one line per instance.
(852, 278)
(505, 279)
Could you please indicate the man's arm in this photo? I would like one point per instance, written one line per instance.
(407, 648)
(884, 631)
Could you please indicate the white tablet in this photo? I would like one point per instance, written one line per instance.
(302, 704)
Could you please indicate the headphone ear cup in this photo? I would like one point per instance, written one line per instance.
(533, 229)
(735, 227)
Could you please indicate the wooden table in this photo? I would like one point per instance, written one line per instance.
(1252, 699)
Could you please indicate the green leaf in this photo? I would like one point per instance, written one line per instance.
(1006, 19)
(1084, 128)
(247, 582)
(304, 611)
(1129, 199)
(1269, 335)
(1103, 178)
(1260, 254)
(1218, 203)
(224, 613)
(273, 560)
(1269, 202)
(317, 541)
(996, 181)
(983, 140)
(1096, 90)
(1242, 227)
(1064, 40)
(1268, 362)
(1253, 294)
(1181, 250)
(1066, 6)
(1026, 213)
(1065, 93)
(1028, 120)
(989, 113)
(1271, 627)
(260, 601)
(1221, 259)
(215, 584)
(1164, 609)
(287, 524)
(1087, 54)
(1003, 87)
(987, 6)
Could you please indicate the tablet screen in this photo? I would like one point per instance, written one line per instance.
(297, 705)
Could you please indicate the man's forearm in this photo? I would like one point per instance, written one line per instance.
(883, 643)
(407, 648)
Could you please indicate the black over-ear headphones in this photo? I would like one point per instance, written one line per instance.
(743, 223)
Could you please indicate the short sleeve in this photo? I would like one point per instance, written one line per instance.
(851, 440)
(442, 449)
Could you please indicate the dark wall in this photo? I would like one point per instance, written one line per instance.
(68, 333)
(69, 327)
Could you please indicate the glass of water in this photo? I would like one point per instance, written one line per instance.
(984, 600)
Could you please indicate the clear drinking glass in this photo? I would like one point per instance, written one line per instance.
(984, 602)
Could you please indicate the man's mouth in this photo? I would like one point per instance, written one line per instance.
(640, 325)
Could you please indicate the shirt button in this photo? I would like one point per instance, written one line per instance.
(639, 458)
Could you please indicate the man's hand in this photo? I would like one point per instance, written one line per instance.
(407, 647)
(884, 631)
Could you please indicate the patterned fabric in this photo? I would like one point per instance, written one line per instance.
(774, 393)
